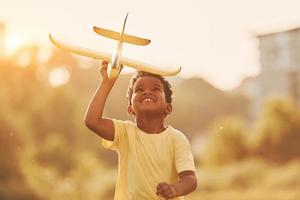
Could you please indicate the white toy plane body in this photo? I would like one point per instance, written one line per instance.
(116, 60)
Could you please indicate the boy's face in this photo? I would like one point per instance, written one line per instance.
(149, 96)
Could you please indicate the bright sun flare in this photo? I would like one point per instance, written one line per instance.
(13, 42)
(58, 76)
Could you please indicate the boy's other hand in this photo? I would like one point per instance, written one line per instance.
(166, 190)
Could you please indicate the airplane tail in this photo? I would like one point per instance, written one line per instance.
(121, 36)
(126, 38)
(123, 29)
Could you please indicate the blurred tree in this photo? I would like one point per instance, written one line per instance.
(56, 153)
(277, 136)
(226, 142)
(197, 103)
(13, 185)
(54, 112)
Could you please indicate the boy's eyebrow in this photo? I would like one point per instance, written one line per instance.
(139, 85)
(156, 84)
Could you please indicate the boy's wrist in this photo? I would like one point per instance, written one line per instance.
(176, 189)
(108, 82)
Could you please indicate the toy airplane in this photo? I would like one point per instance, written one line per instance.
(115, 60)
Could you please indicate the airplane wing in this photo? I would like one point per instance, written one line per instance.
(80, 50)
(140, 66)
(116, 36)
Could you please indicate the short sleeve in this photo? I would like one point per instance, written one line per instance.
(119, 137)
(184, 160)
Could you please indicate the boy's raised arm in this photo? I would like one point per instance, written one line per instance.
(93, 118)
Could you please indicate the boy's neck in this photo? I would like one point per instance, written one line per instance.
(150, 124)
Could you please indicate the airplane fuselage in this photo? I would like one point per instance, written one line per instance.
(114, 64)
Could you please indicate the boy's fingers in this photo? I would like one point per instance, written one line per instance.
(163, 189)
(158, 188)
(168, 194)
(166, 190)
(121, 67)
(104, 63)
(103, 69)
(160, 185)
(173, 190)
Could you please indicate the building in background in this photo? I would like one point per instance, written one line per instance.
(280, 69)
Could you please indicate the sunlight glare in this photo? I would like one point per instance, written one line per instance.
(13, 42)
(24, 59)
(58, 76)
(44, 54)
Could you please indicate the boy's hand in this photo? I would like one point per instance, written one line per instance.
(104, 74)
(103, 70)
(166, 190)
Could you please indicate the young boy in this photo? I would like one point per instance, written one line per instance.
(155, 161)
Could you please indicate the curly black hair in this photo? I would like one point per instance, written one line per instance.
(166, 85)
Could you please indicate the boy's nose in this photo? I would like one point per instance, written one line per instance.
(147, 92)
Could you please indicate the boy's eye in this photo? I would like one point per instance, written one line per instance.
(156, 89)
(138, 90)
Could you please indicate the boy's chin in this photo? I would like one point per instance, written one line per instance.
(150, 110)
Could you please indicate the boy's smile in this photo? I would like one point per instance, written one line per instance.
(147, 99)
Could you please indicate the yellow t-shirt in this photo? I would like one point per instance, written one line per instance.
(145, 160)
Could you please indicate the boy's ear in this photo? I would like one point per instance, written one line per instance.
(169, 109)
(130, 110)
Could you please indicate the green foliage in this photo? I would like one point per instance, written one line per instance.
(249, 179)
(226, 142)
(8, 152)
(277, 137)
(197, 104)
(56, 153)
(12, 182)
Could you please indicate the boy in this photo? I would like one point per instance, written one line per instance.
(155, 161)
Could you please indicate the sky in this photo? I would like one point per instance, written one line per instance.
(212, 39)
